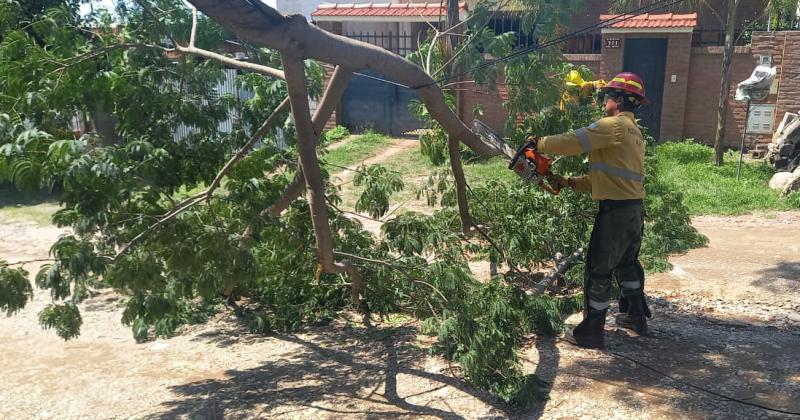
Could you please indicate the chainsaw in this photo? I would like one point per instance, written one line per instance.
(526, 162)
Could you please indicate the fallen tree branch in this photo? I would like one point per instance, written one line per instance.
(557, 272)
(245, 150)
(174, 212)
(259, 24)
(20, 263)
(206, 195)
(315, 183)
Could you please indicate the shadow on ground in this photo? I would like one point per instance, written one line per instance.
(755, 364)
(345, 372)
(381, 372)
(10, 196)
(782, 277)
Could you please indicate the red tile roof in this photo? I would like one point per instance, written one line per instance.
(666, 20)
(383, 9)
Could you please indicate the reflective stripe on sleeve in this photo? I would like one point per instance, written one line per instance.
(613, 170)
(583, 136)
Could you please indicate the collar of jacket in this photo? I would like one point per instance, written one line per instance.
(628, 115)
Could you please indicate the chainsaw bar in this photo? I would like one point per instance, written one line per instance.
(489, 136)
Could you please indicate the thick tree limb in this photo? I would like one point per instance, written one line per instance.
(336, 86)
(334, 91)
(259, 24)
(315, 183)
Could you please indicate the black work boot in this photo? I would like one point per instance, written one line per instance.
(634, 319)
(589, 333)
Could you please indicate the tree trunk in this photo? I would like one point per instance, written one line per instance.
(315, 183)
(725, 86)
(453, 144)
(262, 25)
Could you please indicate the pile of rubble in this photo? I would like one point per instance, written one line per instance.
(784, 154)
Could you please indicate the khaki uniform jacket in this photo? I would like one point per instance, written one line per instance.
(616, 156)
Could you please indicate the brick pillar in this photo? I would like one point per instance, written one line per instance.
(673, 107)
(788, 89)
(613, 58)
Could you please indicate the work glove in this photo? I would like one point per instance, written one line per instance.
(557, 181)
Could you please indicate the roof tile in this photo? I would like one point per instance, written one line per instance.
(383, 9)
(664, 20)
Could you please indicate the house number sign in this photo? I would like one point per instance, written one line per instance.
(612, 43)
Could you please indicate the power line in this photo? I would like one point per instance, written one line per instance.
(555, 41)
(600, 25)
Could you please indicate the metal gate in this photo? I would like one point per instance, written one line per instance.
(370, 103)
(647, 57)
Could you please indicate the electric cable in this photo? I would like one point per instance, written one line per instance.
(560, 39)
(699, 388)
(661, 4)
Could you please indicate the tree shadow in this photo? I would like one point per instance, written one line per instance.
(754, 363)
(10, 196)
(780, 278)
(335, 372)
(379, 371)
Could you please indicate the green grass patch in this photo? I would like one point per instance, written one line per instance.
(22, 206)
(495, 168)
(686, 167)
(356, 150)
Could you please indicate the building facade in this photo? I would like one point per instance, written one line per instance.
(678, 54)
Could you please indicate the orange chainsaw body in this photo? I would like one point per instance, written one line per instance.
(532, 166)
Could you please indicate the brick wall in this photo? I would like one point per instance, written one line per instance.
(782, 46)
(494, 115)
(703, 93)
(673, 108)
(592, 61)
(613, 58)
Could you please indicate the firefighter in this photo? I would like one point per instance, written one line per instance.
(616, 180)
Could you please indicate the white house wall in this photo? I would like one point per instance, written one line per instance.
(304, 7)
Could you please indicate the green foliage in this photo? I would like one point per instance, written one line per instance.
(379, 184)
(709, 189)
(483, 335)
(668, 229)
(15, 289)
(334, 135)
(65, 319)
(114, 187)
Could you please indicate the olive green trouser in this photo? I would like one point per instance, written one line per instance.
(614, 251)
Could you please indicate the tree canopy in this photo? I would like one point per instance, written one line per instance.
(187, 199)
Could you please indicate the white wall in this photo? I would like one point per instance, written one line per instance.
(305, 7)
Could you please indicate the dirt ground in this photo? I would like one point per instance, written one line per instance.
(727, 319)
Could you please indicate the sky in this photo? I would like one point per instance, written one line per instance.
(107, 4)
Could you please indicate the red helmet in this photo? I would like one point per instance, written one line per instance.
(627, 82)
